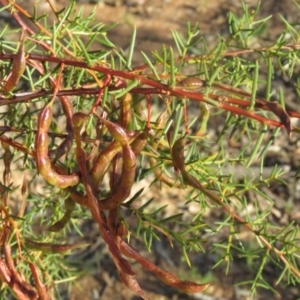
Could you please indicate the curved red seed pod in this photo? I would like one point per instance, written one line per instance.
(66, 144)
(156, 169)
(178, 160)
(104, 159)
(42, 159)
(139, 143)
(99, 169)
(68, 110)
(132, 283)
(122, 265)
(128, 168)
(166, 277)
(161, 176)
(40, 287)
(126, 182)
(5, 273)
(178, 153)
(17, 69)
(16, 145)
(59, 225)
(116, 131)
(79, 198)
(22, 289)
(52, 248)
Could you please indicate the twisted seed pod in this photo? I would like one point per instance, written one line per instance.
(17, 69)
(92, 202)
(59, 225)
(164, 276)
(178, 160)
(42, 159)
(104, 159)
(128, 168)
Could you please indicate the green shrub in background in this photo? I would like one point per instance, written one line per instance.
(73, 117)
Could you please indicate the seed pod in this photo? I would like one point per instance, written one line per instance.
(17, 69)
